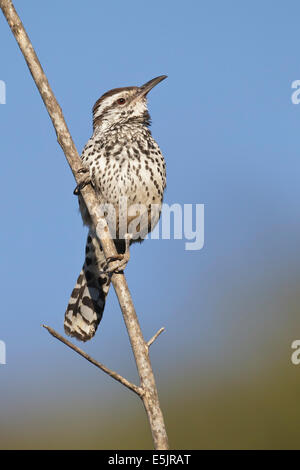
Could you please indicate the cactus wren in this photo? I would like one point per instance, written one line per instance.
(120, 160)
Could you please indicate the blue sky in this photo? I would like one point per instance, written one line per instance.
(230, 135)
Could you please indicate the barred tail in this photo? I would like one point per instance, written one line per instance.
(86, 305)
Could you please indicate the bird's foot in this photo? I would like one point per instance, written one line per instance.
(85, 180)
(122, 259)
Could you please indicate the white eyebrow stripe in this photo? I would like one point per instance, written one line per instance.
(108, 102)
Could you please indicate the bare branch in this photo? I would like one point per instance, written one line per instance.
(155, 336)
(111, 373)
(138, 344)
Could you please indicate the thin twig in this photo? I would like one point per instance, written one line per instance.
(111, 373)
(155, 336)
(138, 344)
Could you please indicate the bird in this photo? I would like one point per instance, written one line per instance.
(122, 162)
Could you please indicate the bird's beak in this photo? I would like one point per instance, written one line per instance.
(144, 89)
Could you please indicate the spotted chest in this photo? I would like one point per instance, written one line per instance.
(126, 162)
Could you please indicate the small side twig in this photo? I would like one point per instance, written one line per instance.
(155, 336)
(138, 390)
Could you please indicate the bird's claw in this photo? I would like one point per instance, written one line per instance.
(85, 181)
(122, 259)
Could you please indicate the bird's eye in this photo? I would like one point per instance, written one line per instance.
(121, 101)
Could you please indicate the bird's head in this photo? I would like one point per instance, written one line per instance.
(123, 105)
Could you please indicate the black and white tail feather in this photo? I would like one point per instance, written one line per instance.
(86, 305)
